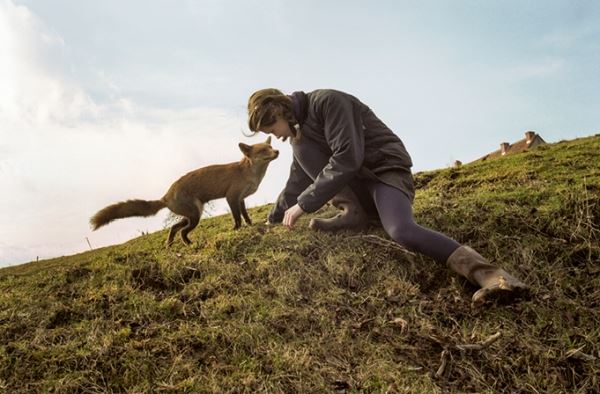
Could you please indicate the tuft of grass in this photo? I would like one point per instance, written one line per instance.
(264, 309)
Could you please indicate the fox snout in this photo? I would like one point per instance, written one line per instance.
(275, 154)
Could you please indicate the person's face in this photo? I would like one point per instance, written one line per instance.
(280, 129)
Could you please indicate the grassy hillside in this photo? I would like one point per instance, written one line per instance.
(264, 309)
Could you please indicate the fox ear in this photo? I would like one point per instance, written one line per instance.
(245, 148)
(268, 141)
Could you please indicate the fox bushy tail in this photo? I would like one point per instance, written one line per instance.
(126, 209)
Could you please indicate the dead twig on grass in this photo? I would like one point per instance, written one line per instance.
(444, 362)
(481, 345)
(374, 239)
(579, 355)
(475, 346)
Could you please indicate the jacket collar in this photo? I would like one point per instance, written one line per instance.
(299, 106)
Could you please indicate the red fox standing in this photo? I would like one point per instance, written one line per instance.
(187, 196)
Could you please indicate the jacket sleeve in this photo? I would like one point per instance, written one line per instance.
(297, 182)
(345, 136)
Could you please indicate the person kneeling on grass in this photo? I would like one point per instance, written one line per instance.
(342, 152)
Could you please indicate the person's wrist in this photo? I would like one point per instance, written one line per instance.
(301, 208)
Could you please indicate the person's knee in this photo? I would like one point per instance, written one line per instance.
(310, 157)
(402, 234)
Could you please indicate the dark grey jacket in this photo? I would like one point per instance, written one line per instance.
(360, 144)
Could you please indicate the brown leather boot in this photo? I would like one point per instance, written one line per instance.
(352, 217)
(496, 284)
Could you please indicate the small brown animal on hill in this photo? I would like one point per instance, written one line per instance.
(187, 196)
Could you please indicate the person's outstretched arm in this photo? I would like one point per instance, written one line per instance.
(297, 182)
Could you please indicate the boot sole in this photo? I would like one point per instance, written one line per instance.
(501, 296)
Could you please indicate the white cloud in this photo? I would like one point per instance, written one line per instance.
(34, 89)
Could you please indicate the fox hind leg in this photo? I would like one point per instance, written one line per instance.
(174, 229)
(190, 225)
(193, 220)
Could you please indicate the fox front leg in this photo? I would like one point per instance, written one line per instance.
(235, 206)
(245, 213)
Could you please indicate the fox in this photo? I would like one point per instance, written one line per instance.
(187, 195)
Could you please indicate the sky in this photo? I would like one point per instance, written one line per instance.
(110, 100)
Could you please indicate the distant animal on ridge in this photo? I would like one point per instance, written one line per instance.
(187, 196)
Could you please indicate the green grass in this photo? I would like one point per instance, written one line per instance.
(263, 309)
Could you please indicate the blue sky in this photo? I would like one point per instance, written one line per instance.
(104, 101)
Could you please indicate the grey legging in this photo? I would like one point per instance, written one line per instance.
(393, 206)
(395, 212)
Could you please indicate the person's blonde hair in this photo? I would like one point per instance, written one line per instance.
(264, 105)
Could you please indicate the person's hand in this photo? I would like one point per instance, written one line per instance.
(291, 215)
